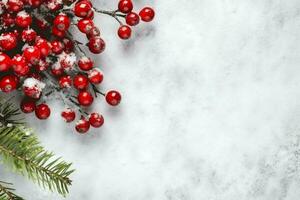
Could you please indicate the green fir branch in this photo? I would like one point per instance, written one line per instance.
(9, 114)
(7, 193)
(21, 150)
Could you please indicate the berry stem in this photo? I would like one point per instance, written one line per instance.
(113, 14)
(77, 43)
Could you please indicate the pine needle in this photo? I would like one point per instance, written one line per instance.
(21, 150)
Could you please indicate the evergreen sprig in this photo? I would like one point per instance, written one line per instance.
(7, 193)
(24, 154)
(9, 114)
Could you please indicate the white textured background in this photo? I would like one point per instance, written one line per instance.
(210, 110)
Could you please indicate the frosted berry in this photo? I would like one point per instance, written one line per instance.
(62, 22)
(96, 120)
(8, 41)
(54, 5)
(28, 35)
(23, 19)
(68, 115)
(65, 81)
(20, 65)
(147, 14)
(125, 6)
(85, 98)
(42, 111)
(95, 76)
(32, 54)
(124, 32)
(82, 126)
(56, 69)
(44, 47)
(42, 65)
(35, 3)
(113, 97)
(57, 47)
(8, 19)
(14, 5)
(27, 105)
(132, 19)
(82, 9)
(80, 82)
(33, 87)
(85, 25)
(8, 83)
(5, 62)
(58, 33)
(96, 45)
(85, 63)
(94, 32)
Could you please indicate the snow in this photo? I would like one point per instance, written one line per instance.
(34, 83)
(23, 14)
(210, 107)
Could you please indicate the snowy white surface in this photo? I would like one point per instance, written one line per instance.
(210, 110)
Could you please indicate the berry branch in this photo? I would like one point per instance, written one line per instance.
(40, 63)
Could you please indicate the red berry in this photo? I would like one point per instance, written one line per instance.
(68, 45)
(28, 35)
(58, 33)
(5, 62)
(94, 32)
(96, 45)
(8, 41)
(147, 14)
(85, 98)
(85, 25)
(82, 126)
(42, 24)
(96, 120)
(27, 105)
(57, 69)
(95, 76)
(23, 19)
(8, 19)
(54, 5)
(132, 19)
(35, 3)
(113, 97)
(32, 54)
(57, 47)
(80, 82)
(62, 22)
(124, 32)
(90, 15)
(125, 6)
(85, 63)
(44, 47)
(20, 65)
(42, 65)
(42, 111)
(82, 9)
(32, 87)
(8, 83)
(14, 5)
(68, 114)
(65, 81)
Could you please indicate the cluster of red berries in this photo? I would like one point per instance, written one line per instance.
(132, 19)
(40, 57)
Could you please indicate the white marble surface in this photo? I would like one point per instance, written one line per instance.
(210, 110)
